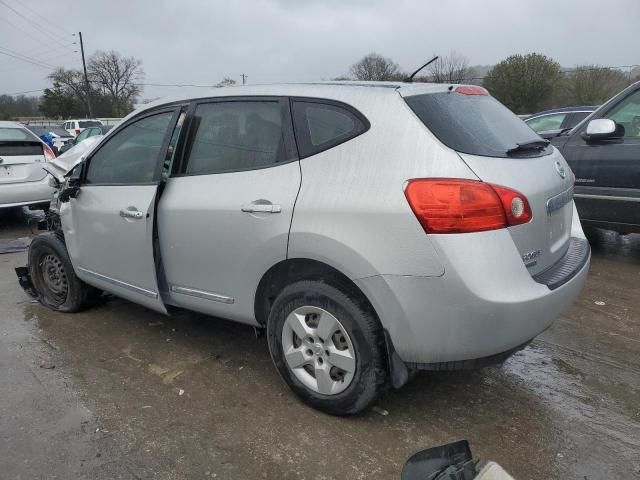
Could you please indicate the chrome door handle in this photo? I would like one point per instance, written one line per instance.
(131, 214)
(261, 208)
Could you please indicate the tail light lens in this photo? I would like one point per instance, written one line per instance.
(444, 205)
(48, 153)
(77, 132)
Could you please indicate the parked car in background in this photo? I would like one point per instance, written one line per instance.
(604, 154)
(23, 180)
(371, 228)
(60, 136)
(74, 127)
(86, 133)
(551, 123)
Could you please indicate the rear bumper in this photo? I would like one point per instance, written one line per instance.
(485, 304)
(25, 193)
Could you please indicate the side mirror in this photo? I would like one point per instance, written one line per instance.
(603, 129)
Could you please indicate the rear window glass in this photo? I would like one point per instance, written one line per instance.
(232, 136)
(474, 124)
(8, 134)
(320, 126)
(89, 123)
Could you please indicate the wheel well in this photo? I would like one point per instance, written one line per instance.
(296, 269)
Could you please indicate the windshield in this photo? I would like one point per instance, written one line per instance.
(89, 123)
(474, 124)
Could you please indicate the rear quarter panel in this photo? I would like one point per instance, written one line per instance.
(351, 212)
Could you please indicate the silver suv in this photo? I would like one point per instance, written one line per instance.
(372, 229)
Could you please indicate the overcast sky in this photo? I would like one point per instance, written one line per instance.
(200, 42)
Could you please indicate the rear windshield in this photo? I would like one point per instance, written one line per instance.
(14, 134)
(89, 123)
(474, 124)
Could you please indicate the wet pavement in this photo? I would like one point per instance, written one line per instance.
(122, 392)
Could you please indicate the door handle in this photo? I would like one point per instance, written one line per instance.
(135, 214)
(261, 208)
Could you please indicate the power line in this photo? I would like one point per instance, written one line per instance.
(41, 29)
(40, 47)
(42, 65)
(41, 16)
(26, 91)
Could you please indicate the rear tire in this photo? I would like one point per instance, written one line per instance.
(334, 346)
(53, 277)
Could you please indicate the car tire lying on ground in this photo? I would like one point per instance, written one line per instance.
(327, 347)
(53, 276)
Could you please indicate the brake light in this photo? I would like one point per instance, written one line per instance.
(446, 205)
(77, 132)
(48, 153)
(471, 90)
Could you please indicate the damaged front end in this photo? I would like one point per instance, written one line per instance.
(50, 223)
(24, 278)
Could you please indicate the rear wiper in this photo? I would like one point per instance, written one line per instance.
(532, 145)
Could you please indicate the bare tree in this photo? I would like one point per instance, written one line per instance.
(592, 84)
(226, 82)
(375, 67)
(70, 85)
(118, 77)
(452, 68)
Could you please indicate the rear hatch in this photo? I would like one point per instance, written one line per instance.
(501, 149)
(21, 156)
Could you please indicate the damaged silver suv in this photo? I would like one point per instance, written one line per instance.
(371, 228)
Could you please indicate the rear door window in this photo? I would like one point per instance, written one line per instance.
(321, 125)
(474, 124)
(228, 136)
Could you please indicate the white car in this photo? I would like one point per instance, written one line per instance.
(23, 180)
(74, 127)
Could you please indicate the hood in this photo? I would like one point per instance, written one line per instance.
(63, 164)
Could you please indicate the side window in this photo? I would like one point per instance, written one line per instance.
(238, 135)
(171, 149)
(578, 117)
(627, 114)
(320, 126)
(131, 155)
(83, 134)
(546, 122)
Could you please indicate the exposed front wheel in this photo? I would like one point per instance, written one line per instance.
(327, 347)
(53, 278)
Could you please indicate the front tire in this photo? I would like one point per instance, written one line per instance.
(328, 347)
(53, 277)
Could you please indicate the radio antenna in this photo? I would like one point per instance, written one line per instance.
(409, 79)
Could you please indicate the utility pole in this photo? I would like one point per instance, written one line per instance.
(244, 78)
(86, 78)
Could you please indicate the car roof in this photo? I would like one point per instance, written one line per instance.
(330, 90)
(579, 108)
(8, 124)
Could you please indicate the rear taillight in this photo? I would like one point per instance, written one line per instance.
(447, 205)
(77, 132)
(48, 153)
